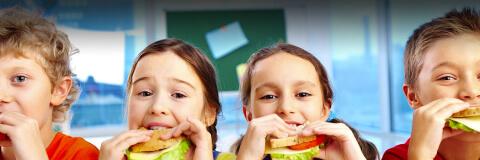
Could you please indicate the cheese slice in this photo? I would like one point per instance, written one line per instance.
(471, 122)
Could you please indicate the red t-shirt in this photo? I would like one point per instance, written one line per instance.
(401, 152)
(65, 147)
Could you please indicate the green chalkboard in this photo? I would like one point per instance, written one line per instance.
(261, 27)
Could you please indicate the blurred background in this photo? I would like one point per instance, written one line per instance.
(360, 43)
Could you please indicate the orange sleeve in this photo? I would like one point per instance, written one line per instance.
(71, 148)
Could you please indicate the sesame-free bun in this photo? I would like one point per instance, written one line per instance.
(469, 112)
(156, 143)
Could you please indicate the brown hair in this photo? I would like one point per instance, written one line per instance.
(368, 149)
(199, 62)
(246, 84)
(454, 23)
(25, 34)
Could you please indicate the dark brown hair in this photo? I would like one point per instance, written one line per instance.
(27, 34)
(199, 62)
(454, 23)
(368, 149)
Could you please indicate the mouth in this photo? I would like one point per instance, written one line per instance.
(157, 126)
(295, 124)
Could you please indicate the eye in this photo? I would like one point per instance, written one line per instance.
(446, 78)
(178, 95)
(19, 79)
(144, 93)
(303, 94)
(268, 96)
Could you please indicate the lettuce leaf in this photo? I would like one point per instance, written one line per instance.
(177, 152)
(283, 154)
(459, 126)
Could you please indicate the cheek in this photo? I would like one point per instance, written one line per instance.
(136, 113)
(313, 111)
(430, 93)
(35, 103)
(261, 109)
(193, 109)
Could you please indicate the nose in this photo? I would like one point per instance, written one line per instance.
(286, 106)
(160, 106)
(5, 97)
(470, 90)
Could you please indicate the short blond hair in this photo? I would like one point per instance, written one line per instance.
(454, 23)
(23, 34)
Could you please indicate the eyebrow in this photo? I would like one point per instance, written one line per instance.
(444, 64)
(140, 79)
(172, 79)
(265, 85)
(183, 82)
(300, 83)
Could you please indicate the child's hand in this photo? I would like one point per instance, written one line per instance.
(343, 144)
(24, 136)
(253, 143)
(114, 148)
(428, 127)
(196, 132)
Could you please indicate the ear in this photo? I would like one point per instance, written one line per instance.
(327, 105)
(210, 115)
(411, 96)
(247, 114)
(61, 90)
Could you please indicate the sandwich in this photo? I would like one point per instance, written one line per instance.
(158, 149)
(467, 120)
(295, 147)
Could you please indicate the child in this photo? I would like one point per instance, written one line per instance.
(36, 89)
(283, 86)
(171, 85)
(442, 61)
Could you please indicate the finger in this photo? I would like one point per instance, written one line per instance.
(168, 134)
(308, 130)
(282, 128)
(450, 109)
(126, 143)
(333, 132)
(441, 103)
(181, 128)
(6, 129)
(275, 132)
(332, 129)
(131, 133)
(282, 122)
(195, 125)
(11, 118)
(275, 118)
(268, 125)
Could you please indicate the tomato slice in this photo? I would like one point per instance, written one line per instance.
(302, 146)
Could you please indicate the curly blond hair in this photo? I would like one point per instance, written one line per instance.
(26, 34)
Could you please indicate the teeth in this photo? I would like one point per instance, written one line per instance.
(157, 127)
(301, 126)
